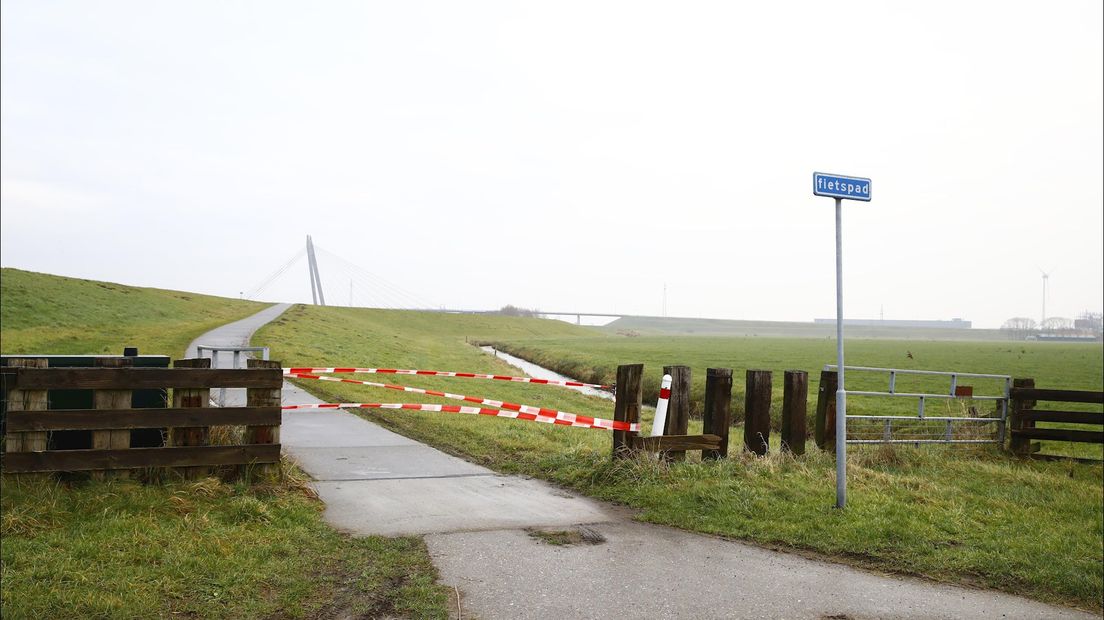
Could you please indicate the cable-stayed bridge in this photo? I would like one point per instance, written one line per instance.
(369, 290)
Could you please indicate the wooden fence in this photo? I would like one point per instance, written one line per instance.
(109, 427)
(1025, 397)
(717, 417)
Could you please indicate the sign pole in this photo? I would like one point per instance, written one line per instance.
(841, 188)
(841, 395)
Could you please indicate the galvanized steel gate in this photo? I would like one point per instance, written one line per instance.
(955, 391)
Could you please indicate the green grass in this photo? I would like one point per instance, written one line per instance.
(961, 514)
(41, 313)
(672, 326)
(199, 549)
(195, 549)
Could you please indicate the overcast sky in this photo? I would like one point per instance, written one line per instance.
(566, 156)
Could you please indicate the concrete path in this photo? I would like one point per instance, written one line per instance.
(374, 481)
(479, 527)
(650, 571)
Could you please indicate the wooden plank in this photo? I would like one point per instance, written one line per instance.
(1069, 417)
(198, 433)
(145, 378)
(678, 408)
(1060, 434)
(757, 401)
(1061, 396)
(626, 406)
(93, 460)
(7, 378)
(824, 428)
(717, 418)
(30, 401)
(1020, 406)
(264, 397)
(666, 443)
(118, 439)
(1062, 457)
(108, 419)
(795, 397)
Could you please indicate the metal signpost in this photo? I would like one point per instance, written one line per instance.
(841, 188)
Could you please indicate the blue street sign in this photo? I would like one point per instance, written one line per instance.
(839, 186)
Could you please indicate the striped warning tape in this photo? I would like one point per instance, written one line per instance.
(445, 373)
(561, 418)
(526, 409)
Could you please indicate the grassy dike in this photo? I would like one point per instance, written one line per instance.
(207, 548)
(42, 313)
(962, 515)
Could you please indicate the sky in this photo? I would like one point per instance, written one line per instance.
(567, 156)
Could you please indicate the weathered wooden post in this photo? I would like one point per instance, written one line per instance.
(757, 402)
(717, 417)
(116, 439)
(191, 435)
(27, 400)
(795, 395)
(263, 397)
(678, 409)
(626, 407)
(1021, 446)
(824, 429)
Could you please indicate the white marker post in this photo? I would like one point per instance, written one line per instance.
(850, 188)
(660, 419)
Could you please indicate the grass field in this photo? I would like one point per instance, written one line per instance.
(208, 549)
(43, 313)
(671, 326)
(966, 515)
(204, 549)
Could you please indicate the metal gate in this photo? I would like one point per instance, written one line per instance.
(955, 391)
(237, 351)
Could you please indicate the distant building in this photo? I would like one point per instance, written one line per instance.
(951, 324)
(1092, 322)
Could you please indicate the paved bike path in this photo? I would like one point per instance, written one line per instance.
(374, 481)
(477, 526)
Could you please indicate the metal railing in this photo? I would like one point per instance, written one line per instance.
(953, 393)
(237, 351)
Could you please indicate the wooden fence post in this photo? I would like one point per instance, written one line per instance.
(263, 397)
(678, 408)
(191, 435)
(118, 439)
(757, 402)
(717, 417)
(1021, 446)
(626, 407)
(27, 400)
(795, 395)
(824, 429)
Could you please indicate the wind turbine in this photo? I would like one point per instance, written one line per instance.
(1046, 278)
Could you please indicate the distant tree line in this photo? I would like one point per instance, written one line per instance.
(509, 310)
(1021, 327)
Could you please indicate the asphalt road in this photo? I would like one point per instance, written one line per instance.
(479, 527)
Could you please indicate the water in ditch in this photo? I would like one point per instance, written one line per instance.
(540, 372)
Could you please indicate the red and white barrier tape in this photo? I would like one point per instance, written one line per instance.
(526, 409)
(561, 418)
(445, 373)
